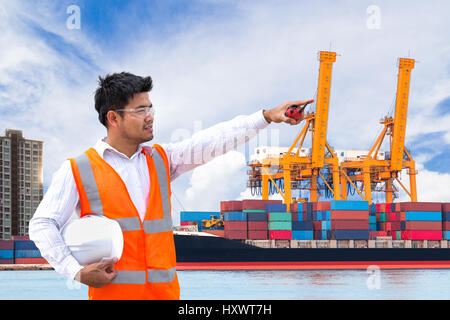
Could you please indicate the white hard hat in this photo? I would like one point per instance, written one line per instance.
(93, 239)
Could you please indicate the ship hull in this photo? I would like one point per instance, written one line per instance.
(216, 253)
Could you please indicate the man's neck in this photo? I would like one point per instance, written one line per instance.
(123, 146)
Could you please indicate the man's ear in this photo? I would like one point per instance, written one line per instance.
(112, 118)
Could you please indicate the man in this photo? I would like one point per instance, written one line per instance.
(124, 180)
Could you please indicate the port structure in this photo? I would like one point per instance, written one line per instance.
(291, 169)
(371, 171)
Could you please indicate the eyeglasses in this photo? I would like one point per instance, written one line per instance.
(140, 112)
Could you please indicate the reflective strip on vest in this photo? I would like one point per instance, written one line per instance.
(89, 184)
(129, 224)
(129, 277)
(161, 275)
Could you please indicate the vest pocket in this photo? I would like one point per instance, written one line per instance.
(160, 250)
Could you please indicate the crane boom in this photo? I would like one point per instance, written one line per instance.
(401, 110)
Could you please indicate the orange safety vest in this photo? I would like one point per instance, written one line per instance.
(147, 268)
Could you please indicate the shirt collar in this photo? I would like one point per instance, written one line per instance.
(101, 146)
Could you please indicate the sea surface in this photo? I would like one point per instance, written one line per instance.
(372, 284)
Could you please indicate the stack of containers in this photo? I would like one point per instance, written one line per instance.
(323, 216)
(349, 220)
(235, 223)
(257, 228)
(423, 220)
(196, 217)
(26, 252)
(446, 221)
(372, 218)
(280, 221)
(6, 251)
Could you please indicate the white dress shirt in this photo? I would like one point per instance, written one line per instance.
(61, 199)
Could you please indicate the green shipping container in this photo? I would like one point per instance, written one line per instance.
(254, 210)
(280, 225)
(280, 216)
(382, 217)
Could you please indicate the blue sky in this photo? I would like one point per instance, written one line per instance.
(212, 60)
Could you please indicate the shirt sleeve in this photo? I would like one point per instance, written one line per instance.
(212, 142)
(56, 208)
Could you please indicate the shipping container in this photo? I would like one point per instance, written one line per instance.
(280, 216)
(258, 234)
(236, 234)
(420, 206)
(446, 207)
(423, 216)
(235, 225)
(257, 225)
(258, 204)
(423, 225)
(30, 261)
(350, 224)
(350, 234)
(349, 215)
(6, 261)
(27, 254)
(349, 205)
(197, 215)
(275, 207)
(421, 235)
(24, 245)
(280, 234)
(280, 225)
(6, 244)
(302, 235)
(235, 216)
(256, 216)
(6, 254)
(303, 225)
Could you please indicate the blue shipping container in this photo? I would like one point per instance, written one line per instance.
(326, 225)
(446, 235)
(302, 235)
(197, 215)
(275, 207)
(28, 254)
(349, 205)
(372, 219)
(445, 216)
(235, 216)
(351, 234)
(302, 225)
(24, 245)
(256, 216)
(6, 254)
(423, 216)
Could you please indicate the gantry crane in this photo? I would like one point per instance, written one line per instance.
(292, 168)
(372, 171)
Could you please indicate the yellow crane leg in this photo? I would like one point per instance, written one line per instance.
(313, 194)
(336, 183)
(343, 187)
(265, 183)
(389, 191)
(367, 187)
(412, 182)
(287, 186)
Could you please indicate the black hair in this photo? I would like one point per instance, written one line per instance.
(115, 91)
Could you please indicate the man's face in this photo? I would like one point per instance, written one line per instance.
(134, 127)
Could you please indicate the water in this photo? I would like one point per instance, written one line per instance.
(255, 285)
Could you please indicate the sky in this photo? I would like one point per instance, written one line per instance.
(213, 60)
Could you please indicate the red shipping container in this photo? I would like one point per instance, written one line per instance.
(323, 205)
(388, 207)
(235, 225)
(349, 225)
(446, 207)
(295, 216)
(188, 223)
(6, 244)
(445, 225)
(377, 207)
(396, 225)
(236, 234)
(393, 216)
(30, 261)
(317, 225)
(6, 261)
(421, 206)
(257, 234)
(388, 226)
(421, 235)
(280, 234)
(349, 215)
(294, 207)
(257, 225)
(382, 207)
(423, 225)
(374, 234)
(252, 204)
